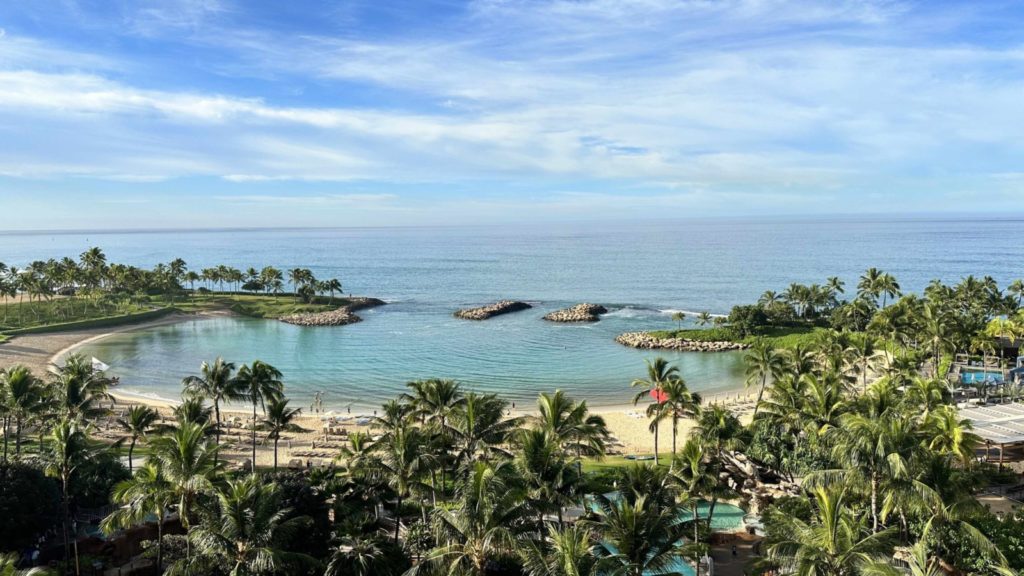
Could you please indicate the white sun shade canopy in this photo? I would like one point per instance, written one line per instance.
(998, 424)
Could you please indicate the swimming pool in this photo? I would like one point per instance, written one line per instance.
(976, 375)
(726, 518)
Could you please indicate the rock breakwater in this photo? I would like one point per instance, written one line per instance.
(485, 312)
(337, 317)
(647, 341)
(579, 313)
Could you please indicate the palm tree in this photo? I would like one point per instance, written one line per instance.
(679, 402)
(260, 383)
(704, 318)
(835, 542)
(678, 318)
(951, 434)
(435, 400)
(9, 567)
(637, 538)
(361, 556)
(698, 480)
(485, 523)
(480, 428)
(247, 532)
(78, 389)
(550, 481)
(147, 492)
(137, 424)
(1016, 290)
(402, 462)
(67, 448)
(572, 427)
(562, 552)
(22, 396)
(876, 446)
(869, 285)
(762, 361)
(864, 355)
(188, 460)
(215, 383)
(193, 410)
(279, 419)
(659, 374)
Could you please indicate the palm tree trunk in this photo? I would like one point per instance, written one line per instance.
(216, 412)
(254, 437)
(276, 439)
(675, 432)
(67, 520)
(656, 427)
(131, 449)
(874, 502)
(5, 421)
(398, 516)
(760, 393)
(17, 435)
(160, 542)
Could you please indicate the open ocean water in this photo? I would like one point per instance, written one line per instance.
(641, 271)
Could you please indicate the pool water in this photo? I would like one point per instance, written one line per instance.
(974, 376)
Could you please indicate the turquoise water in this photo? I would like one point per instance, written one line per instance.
(973, 376)
(642, 271)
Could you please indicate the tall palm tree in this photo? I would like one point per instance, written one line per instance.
(550, 481)
(572, 427)
(679, 402)
(864, 355)
(836, 542)
(697, 479)
(79, 389)
(361, 556)
(261, 383)
(704, 318)
(562, 552)
(1016, 290)
(877, 447)
(137, 423)
(247, 532)
(147, 492)
(637, 538)
(869, 285)
(659, 375)
(951, 434)
(216, 383)
(22, 396)
(279, 419)
(678, 318)
(486, 522)
(435, 400)
(762, 362)
(480, 428)
(188, 460)
(402, 463)
(67, 448)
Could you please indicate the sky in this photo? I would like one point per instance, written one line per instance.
(247, 113)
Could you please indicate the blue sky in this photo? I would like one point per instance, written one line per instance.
(209, 113)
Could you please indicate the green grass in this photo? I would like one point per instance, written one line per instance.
(612, 462)
(20, 316)
(779, 336)
(256, 305)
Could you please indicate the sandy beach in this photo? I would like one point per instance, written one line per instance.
(318, 445)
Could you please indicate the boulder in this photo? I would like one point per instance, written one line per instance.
(647, 341)
(337, 317)
(485, 312)
(579, 313)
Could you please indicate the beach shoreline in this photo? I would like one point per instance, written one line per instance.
(40, 352)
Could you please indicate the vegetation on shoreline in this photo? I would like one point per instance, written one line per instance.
(77, 292)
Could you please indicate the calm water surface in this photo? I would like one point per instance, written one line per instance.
(642, 271)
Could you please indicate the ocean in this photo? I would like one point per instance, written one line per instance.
(642, 271)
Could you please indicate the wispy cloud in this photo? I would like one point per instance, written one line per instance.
(750, 102)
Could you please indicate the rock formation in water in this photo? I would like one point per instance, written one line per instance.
(647, 341)
(485, 312)
(579, 313)
(337, 317)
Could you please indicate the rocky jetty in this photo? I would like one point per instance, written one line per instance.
(647, 341)
(337, 317)
(485, 312)
(579, 313)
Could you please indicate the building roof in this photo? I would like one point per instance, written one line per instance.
(998, 424)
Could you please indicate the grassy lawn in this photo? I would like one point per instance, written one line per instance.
(780, 337)
(255, 305)
(610, 462)
(15, 316)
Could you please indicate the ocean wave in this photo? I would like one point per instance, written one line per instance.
(689, 313)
